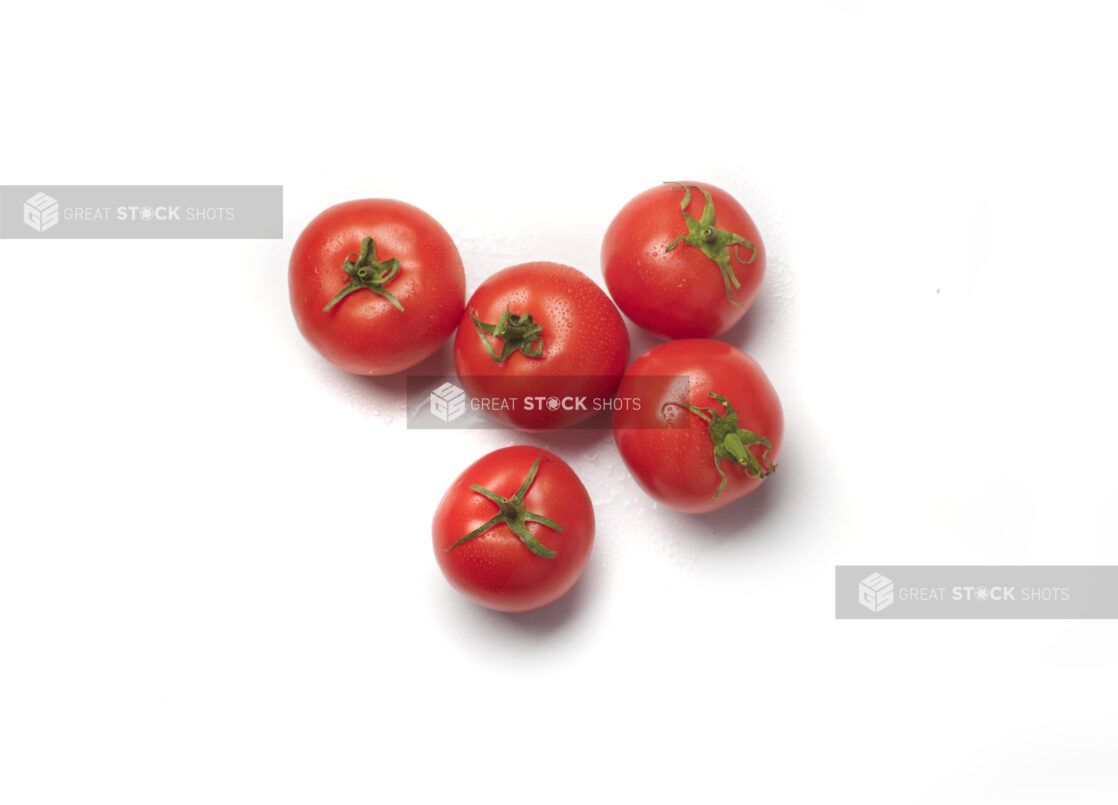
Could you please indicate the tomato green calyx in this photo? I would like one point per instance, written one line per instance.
(518, 332)
(715, 243)
(512, 513)
(730, 441)
(365, 271)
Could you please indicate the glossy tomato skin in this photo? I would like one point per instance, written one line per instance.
(584, 340)
(363, 333)
(681, 293)
(670, 452)
(496, 569)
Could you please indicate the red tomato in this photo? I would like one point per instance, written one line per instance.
(376, 285)
(543, 343)
(515, 529)
(709, 425)
(683, 260)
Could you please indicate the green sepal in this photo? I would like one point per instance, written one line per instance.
(365, 271)
(731, 442)
(715, 243)
(512, 513)
(518, 332)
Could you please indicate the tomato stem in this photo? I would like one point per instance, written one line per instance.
(518, 331)
(511, 512)
(365, 271)
(714, 243)
(730, 441)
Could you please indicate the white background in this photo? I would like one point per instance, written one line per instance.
(216, 578)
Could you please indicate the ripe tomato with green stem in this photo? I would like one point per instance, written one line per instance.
(542, 345)
(683, 260)
(514, 530)
(706, 428)
(376, 285)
